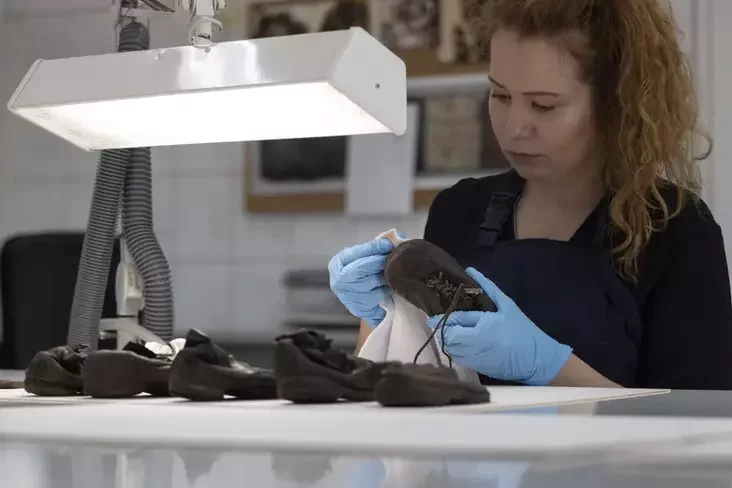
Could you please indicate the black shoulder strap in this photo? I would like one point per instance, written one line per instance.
(499, 210)
(603, 223)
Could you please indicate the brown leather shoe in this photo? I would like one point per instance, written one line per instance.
(203, 371)
(428, 278)
(309, 370)
(426, 385)
(56, 371)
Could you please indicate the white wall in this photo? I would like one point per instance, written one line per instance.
(708, 37)
(226, 264)
(715, 28)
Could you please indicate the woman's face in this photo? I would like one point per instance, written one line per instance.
(540, 109)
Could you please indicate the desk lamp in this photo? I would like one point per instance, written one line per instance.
(336, 83)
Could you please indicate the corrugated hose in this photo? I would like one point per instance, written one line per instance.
(123, 182)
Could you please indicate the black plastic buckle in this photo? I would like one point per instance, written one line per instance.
(500, 199)
(498, 212)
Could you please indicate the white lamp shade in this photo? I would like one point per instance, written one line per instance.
(310, 85)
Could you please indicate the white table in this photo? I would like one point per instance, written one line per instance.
(526, 431)
(11, 374)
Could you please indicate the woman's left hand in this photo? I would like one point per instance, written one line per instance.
(504, 344)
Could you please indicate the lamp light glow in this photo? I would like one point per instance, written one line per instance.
(309, 85)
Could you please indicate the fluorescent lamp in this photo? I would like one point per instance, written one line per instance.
(310, 85)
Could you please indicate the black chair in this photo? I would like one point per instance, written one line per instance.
(38, 277)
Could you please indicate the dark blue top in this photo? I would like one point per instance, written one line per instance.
(682, 290)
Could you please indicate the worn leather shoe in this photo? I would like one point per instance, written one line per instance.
(428, 278)
(309, 370)
(426, 385)
(56, 371)
(203, 371)
(126, 373)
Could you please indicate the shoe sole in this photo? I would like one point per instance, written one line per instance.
(123, 374)
(41, 373)
(39, 387)
(400, 390)
(414, 263)
(197, 380)
(313, 389)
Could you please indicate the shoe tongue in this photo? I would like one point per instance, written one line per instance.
(318, 348)
(334, 358)
(70, 358)
(208, 350)
(308, 339)
(195, 337)
(140, 350)
(339, 360)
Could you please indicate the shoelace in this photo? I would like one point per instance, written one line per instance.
(441, 327)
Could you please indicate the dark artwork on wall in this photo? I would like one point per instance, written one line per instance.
(303, 159)
(469, 34)
(411, 24)
(436, 37)
(456, 136)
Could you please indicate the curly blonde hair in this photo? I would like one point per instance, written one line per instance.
(628, 51)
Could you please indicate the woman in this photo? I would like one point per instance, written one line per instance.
(606, 267)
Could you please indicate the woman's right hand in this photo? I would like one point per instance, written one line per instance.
(357, 279)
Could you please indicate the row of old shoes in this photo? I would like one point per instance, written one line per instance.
(186, 368)
(307, 369)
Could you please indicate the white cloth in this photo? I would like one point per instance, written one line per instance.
(170, 349)
(404, 330)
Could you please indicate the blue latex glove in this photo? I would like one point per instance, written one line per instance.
(357, 279)
(505, 344)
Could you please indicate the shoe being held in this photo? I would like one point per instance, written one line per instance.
(429, 278)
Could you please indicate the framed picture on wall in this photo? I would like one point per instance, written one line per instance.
(434, 37)
(456, 141)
